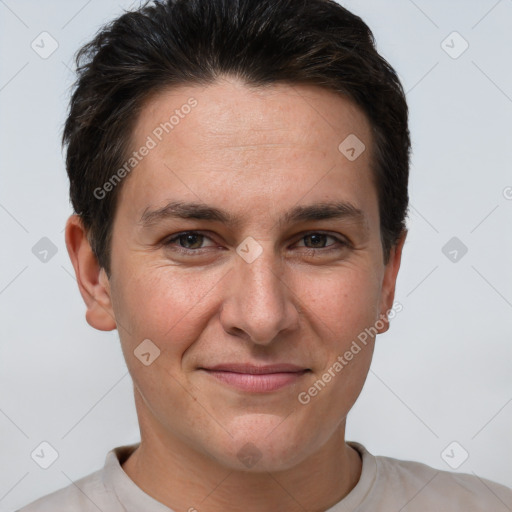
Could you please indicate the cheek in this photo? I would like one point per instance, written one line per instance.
(343, 301)
(342, 307)
(167, 307)
(164, 304)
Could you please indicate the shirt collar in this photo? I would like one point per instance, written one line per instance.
(133, 499)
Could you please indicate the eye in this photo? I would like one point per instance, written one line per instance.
(317, 239)
(317, 242)
(189, 242)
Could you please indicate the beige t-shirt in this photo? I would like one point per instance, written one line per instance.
(386, 484)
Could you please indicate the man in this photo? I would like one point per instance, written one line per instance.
(239, 175)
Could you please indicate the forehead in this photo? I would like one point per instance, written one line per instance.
(253, 149)
(230, 113)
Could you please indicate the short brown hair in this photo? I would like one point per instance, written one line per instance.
(179, 42)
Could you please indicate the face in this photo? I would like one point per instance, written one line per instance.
(246, 247)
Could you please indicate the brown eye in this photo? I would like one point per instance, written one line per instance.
(319, 241)
(188, 242)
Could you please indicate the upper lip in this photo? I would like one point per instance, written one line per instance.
(256, 369)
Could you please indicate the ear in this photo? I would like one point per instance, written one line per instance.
(91, 278)
(389, 281)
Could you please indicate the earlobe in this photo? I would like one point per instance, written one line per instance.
(389, 281)
(91, 278)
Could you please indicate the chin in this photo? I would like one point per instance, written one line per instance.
(265, 442)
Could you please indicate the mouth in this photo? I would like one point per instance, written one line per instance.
(254, 378)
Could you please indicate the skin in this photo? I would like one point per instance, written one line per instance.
(256, 153)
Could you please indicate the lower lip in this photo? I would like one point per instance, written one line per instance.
(257, 382)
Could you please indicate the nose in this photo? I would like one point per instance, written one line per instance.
(259, 303)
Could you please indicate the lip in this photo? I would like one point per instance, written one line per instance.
(254, 378)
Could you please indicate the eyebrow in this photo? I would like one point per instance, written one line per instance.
(301, 213)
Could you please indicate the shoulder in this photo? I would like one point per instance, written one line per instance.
(420, 486)
(96, 491)
(88, 494)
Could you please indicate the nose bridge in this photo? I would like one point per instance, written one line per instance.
(258, 301)
(260, 276)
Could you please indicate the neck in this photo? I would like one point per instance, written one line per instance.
(175, 474)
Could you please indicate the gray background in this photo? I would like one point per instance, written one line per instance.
(443, 371)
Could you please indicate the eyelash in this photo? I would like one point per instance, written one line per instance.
(308, 250)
